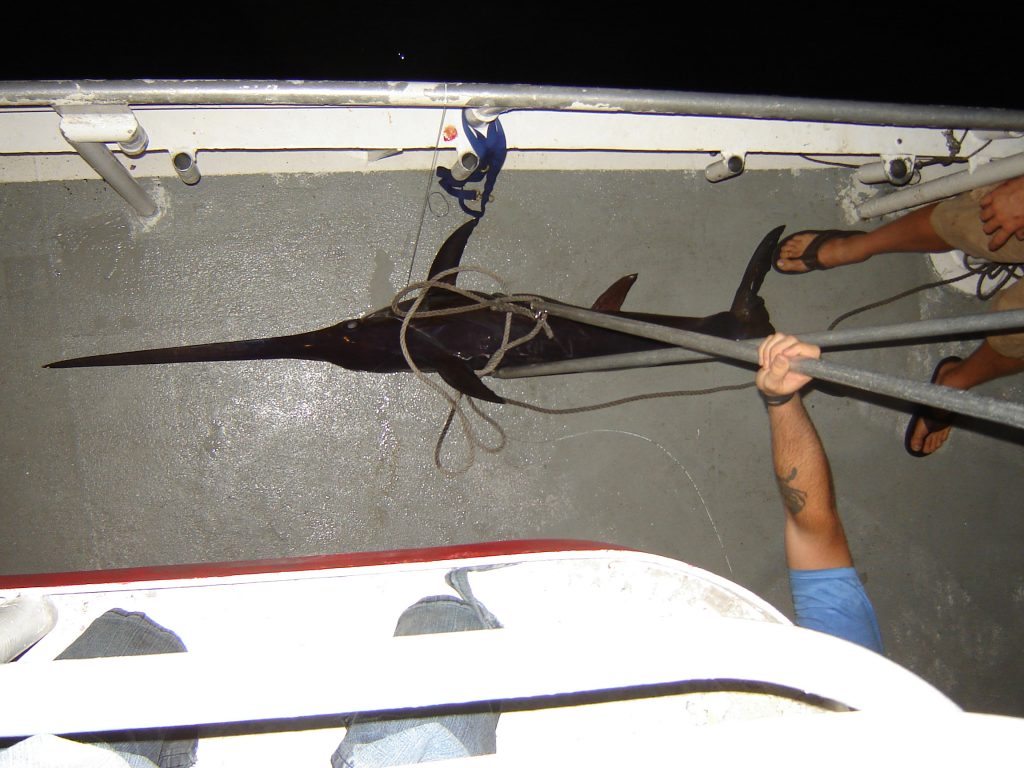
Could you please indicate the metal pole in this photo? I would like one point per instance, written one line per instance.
(480, 96)
(627, 360)
(116, 175)
(943, 327)
(929, 191)
(946, 398)
(950, 327)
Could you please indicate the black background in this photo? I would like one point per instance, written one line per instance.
(867, 57)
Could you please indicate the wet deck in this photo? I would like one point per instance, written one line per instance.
(123, 467)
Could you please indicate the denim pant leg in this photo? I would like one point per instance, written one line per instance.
(474, 730)
(120, 633)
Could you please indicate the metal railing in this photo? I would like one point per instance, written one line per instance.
(505, 97)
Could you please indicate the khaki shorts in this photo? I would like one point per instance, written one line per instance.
(957, 222)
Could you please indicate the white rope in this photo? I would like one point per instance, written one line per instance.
(477, 302)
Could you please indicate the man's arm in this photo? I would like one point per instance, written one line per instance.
(814, 534)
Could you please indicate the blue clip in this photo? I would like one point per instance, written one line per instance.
(491, 150)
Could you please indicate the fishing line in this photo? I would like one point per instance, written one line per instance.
(430, 183)
(663, 449)
(995, 272)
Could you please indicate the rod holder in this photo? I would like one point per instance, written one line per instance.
(465, 165)
(897, 170)
(24, 620)
(185, 166)
(725, 167)
(990, 173)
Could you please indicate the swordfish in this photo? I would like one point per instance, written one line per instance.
(456, 346)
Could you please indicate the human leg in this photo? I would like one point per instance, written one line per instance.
(958, 221)
(931, 428)
(383, 741)
(120, 633)
(912, 233)
(961, 221)
(955, 223)
(998, 356)
(123, 633)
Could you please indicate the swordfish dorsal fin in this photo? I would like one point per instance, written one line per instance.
(613, 296)
(746, 302)
(450, 253)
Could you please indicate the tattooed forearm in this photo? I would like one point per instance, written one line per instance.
(793, 498)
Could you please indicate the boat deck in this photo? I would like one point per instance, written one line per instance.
(123, 467)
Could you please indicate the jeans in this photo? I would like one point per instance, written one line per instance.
(120, 633)
(369, 741)
(376, 741)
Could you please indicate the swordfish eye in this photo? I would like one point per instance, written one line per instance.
(350, 325)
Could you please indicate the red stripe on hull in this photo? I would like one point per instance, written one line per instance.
(294, 564)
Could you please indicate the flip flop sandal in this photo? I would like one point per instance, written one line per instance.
(934, 418)
(809, 258)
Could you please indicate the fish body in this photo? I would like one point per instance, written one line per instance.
(457, 345)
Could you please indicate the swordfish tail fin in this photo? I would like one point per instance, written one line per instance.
(747, 306)
(316, 345)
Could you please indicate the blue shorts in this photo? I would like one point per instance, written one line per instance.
(832, 600)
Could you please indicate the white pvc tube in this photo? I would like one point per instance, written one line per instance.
(954, 184)
(725, 167)
(24, 621)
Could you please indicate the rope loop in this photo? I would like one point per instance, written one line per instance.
(511, 305)
(501, 302)
(997, 273)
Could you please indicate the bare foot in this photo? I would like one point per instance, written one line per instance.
(923, 440)
(797, 253)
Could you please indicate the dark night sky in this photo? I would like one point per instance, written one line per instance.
(632, 48)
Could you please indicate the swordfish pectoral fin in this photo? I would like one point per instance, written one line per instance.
(460, 376)
(449, 255)
(613, 296)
